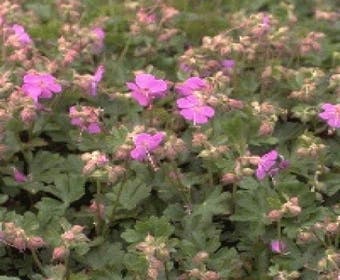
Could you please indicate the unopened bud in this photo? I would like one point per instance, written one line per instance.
(332, 227)
(97, 208)
(294, 209)
(200, 257)
(305, 236)
(229, 178)
(235, 104)
(199, 139)
(195, 273)
(59, 253)
(318, 226)
(266, 128)
(302, 152)
(211, 275)
(294, 275)
(247, 171)
(35, 242)
(77, 229)
(294, 200)
(275, 215)
(19, 243)
(28, 115)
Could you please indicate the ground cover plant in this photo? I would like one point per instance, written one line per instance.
(169, 139)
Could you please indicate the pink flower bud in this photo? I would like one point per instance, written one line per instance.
(235, 104)
(19, 177)
(59, 253)
(294, 210)
(278, 246)
(211, 275)
(200, 257)
(35, 242)
(229, 178)
(97, 208)
(28, 115)
(332, 227)
(19, 243)
(275, 215)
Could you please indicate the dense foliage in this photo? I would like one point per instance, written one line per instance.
(180, 139)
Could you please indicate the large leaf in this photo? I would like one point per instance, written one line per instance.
(68, 188)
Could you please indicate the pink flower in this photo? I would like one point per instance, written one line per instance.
(19, 177)
(331, 114)
(40, 85)
(99, 36)
(191, 85)
(145, 17)
(278, 246)
(146, 143)
(146, 88)
(270, 164)
(21, 35)
(192, 109)
(85, 117)
(97, 77)
(228, 64)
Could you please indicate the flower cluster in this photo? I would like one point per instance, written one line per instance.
(86, 118)
(15, 236)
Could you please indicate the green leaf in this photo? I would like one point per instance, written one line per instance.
(49, 208)
(216, 203)
(157, 227)
(133, 193)
(69, 188)
(251, 207)
(107, 254)
(45, 166)
(332, 182)
(3, 198)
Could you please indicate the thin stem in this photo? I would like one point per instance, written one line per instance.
(124, 51)
(67, 267)
(337, 237)
(38, 262)
(181, 187)
(279, 230)
(3, 49)
(166, 271)
(113, 212)
(234, 197)
(98, 220)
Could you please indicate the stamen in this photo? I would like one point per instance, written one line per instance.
(151, 161)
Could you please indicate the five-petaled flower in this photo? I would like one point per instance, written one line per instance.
(193, 109)
(146, 143)
(270, 164)
(331, 114)
(40, 85)
(96, 78)
(146, 88)
(189, 86)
